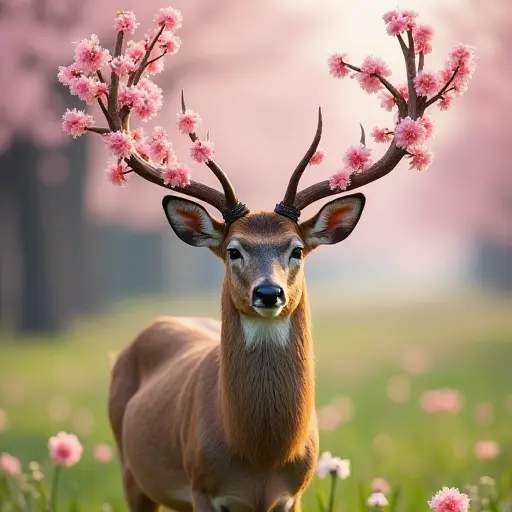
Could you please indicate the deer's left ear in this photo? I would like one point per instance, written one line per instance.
(334, 222)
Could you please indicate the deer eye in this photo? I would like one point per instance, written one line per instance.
(234, 254)
(297, 253)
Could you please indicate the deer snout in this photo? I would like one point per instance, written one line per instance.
(267, 295)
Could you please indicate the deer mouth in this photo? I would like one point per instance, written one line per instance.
(268, 311)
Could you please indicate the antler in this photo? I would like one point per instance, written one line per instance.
(143, 97)
(411, 100)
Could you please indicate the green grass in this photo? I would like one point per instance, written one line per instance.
(359, 348)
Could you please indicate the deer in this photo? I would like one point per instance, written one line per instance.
(219, 415)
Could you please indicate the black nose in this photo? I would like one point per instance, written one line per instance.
(267, 296)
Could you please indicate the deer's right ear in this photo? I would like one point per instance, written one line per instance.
(192, 223)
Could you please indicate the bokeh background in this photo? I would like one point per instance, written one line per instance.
(417, 299)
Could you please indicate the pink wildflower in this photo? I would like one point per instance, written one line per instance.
(426, 84)
(123, 65)
(130, 96)
(68, 74)
(377, 500)
(159, 148)
(445, 102)
(441, 400)
(380, 485)
(119, 143)
(103, 453)
(358, 158)
(403, 90)
(337, 67)
(329, 465)
(90, 56)
(126, 22)
(341, 179)
(461, 59)
(370, 67)
(76, 122)
(202, 150)
(9, 465)
(381, 135)
(188, 121)
(118, 173)
(177, 175)
(420, 158)
(135, 51)
(396, 25)
(317, 158)
(155, 67)
(428, 124)
(409, 132)
(65, 449)
(422, 35)
(407, 14)
(449, 500)
(487, 450)
(85, 88)
(170, 18)
(149, 100)
(387, 101)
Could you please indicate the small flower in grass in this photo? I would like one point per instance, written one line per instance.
(188, 121)
(422, 35)
(426, 83)
(370, 67)
(65, 449)
(358, 158)
(177, 175)
(377, 500)
(487, 450)
(90, 56)
(381, 135)
(103, 453)
(441, 400)
(340, 180)
(334, 466)
(3, 420)
(449, 500)
(76, 122)
(409, 132)
(121, 144)
(202, 150)
(337, 67)
(317, 158)
(170, 18)
(118, 173)
(379, 485)
(126, 22)
(9, 465)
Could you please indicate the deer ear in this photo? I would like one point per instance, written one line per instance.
(334, 222)
(192, 223)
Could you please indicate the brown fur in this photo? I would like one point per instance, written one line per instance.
(198, 414)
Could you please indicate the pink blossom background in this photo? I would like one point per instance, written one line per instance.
(257, 71)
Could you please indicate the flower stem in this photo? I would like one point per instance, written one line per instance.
(334, 481)
(55, 486)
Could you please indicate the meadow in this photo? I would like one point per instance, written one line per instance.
(415, 391)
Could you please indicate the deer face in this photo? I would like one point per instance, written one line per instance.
(264, 252)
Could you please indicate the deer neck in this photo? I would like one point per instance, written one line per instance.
(266, 383)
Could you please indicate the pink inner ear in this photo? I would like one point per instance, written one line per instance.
(191, 220)
(336, 217)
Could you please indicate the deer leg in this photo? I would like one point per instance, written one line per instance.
(201, 502)
(137, 500)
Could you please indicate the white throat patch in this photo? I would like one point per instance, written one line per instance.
(274, 331)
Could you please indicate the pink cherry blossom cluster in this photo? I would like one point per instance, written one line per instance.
(131, 92)
(424, 88)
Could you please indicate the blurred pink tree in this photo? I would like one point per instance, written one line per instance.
(475, 199)
(52, 242)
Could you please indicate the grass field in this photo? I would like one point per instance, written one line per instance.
(374, 362)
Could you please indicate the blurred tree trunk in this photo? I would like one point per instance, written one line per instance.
(38, 309)
(493, 264)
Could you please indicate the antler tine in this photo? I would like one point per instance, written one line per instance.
(379, 169)
(229, 191)
(291, 190)
(194, 189)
